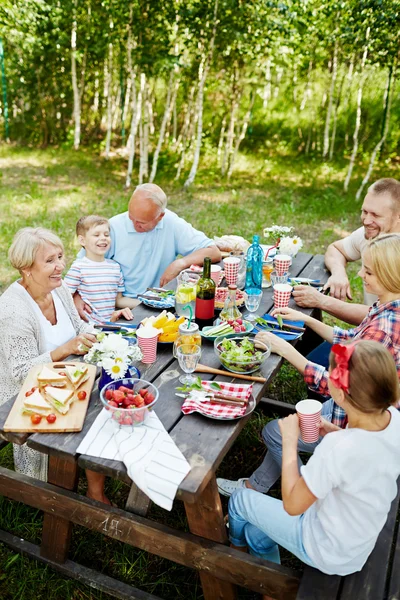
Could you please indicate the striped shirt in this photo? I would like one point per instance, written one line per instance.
(382, 324)
(98, 284)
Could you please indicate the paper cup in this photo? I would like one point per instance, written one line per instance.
(282, 292)
(282, 263)
(309, 412)
(147, 340)
(231, 268)
(216, 273)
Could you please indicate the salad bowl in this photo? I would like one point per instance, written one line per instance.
(241, 354)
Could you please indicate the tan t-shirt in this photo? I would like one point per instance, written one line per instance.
(353, 246)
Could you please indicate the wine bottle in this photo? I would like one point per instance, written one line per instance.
(205, 296)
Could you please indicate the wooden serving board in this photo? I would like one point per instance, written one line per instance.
(72, 421)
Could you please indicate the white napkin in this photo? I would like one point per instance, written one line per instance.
(152, 459)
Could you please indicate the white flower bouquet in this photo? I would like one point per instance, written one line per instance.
(287, 244)
(113, 353)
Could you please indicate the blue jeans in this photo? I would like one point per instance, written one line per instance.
(269, 471)
(261, 523)
(320, 354)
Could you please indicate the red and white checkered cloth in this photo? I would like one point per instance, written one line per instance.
(214, 409)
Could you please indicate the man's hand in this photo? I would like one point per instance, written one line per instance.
(339, 286)
(172, 271)
(83, 309)
(124, 312)
(307, 296)
(290, 429)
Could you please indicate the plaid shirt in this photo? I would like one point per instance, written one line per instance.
(382, 324)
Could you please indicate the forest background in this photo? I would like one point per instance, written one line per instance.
(248, 113)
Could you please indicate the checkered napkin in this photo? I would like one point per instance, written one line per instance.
(214, 409)
(153, 460)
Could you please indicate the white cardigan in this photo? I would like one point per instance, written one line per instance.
(22, 343)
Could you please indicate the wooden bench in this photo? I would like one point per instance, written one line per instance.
(380, 577)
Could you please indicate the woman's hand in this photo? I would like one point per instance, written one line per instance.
(278, 345)
(290, 429)
(81, 343)
(326, 427)
(289, 313)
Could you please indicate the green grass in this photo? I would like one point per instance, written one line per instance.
(54, 188)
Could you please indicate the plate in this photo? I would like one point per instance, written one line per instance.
(249, 329)
(168, 302)
(285, 335)
(250, 407)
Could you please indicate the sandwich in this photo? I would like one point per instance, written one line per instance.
(59, 399)
(50, 377)
(36, 404)
(77, 374)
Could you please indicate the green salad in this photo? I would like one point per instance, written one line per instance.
(240, 356)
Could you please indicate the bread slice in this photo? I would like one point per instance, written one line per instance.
(50, 376)
(77, 374)
(59, 399)
(36, 404)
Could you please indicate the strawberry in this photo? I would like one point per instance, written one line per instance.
(109, 394)
(126, 401)
(143, 392)
(124, 389)
(149, 398)
(118, 396)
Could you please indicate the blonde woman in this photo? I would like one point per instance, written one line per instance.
(38, 324)
(380, 273)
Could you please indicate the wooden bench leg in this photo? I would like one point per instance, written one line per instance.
(56, 534)
(137, 501)
(206, 518)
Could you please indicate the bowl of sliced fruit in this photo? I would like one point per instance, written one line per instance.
(129, 401)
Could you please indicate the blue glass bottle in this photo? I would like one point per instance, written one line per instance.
(254, 264)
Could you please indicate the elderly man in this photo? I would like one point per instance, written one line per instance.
(380, 213)
(146, 241)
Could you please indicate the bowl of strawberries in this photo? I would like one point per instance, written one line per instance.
(129, 401)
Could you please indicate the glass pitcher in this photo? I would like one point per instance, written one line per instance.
(186, 293)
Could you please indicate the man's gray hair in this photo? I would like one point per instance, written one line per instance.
(154, 193)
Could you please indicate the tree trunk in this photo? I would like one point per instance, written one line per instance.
(231, 129)
(109, 99)
(75, 88)
(221, 137)
(358, 116)
(167, 113)
(136, 111)
(95, 106)
(242, 135)
(267, 87)
(307, 90)
(330, 103)
(200, 97)
(142, 133)
(181, 142)
(386, 119)
(335, 116)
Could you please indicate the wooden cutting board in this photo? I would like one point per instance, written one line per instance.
(72, 421)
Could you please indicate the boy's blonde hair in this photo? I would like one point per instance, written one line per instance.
(26, 243)
(373, 379)
(385, 258)
(86, 223)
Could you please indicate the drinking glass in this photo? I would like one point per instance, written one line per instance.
(252, 302)
(188, 357)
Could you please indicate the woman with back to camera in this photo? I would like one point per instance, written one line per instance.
(39, 324)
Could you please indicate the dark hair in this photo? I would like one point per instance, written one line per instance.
(374, 384)
(86, 223)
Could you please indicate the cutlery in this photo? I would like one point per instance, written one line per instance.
(160, 290)
(125, 325)
(205, 369)
(153, 297)
(305, 280)
(284, 325)
(212, 398)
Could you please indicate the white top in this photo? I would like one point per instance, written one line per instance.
(353, 474)
(58, 334)
(98, 284)
(354, 245)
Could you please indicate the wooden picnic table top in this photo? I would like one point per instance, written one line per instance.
(203, 441)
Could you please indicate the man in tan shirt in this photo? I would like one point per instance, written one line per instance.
(380, 213)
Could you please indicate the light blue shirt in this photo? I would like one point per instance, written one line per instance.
(145, 256)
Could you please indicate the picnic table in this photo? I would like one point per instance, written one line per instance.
(204, 442)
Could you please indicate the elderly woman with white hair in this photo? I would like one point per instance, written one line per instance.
(39, 324)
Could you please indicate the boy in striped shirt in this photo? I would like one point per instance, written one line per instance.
(97, 279)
